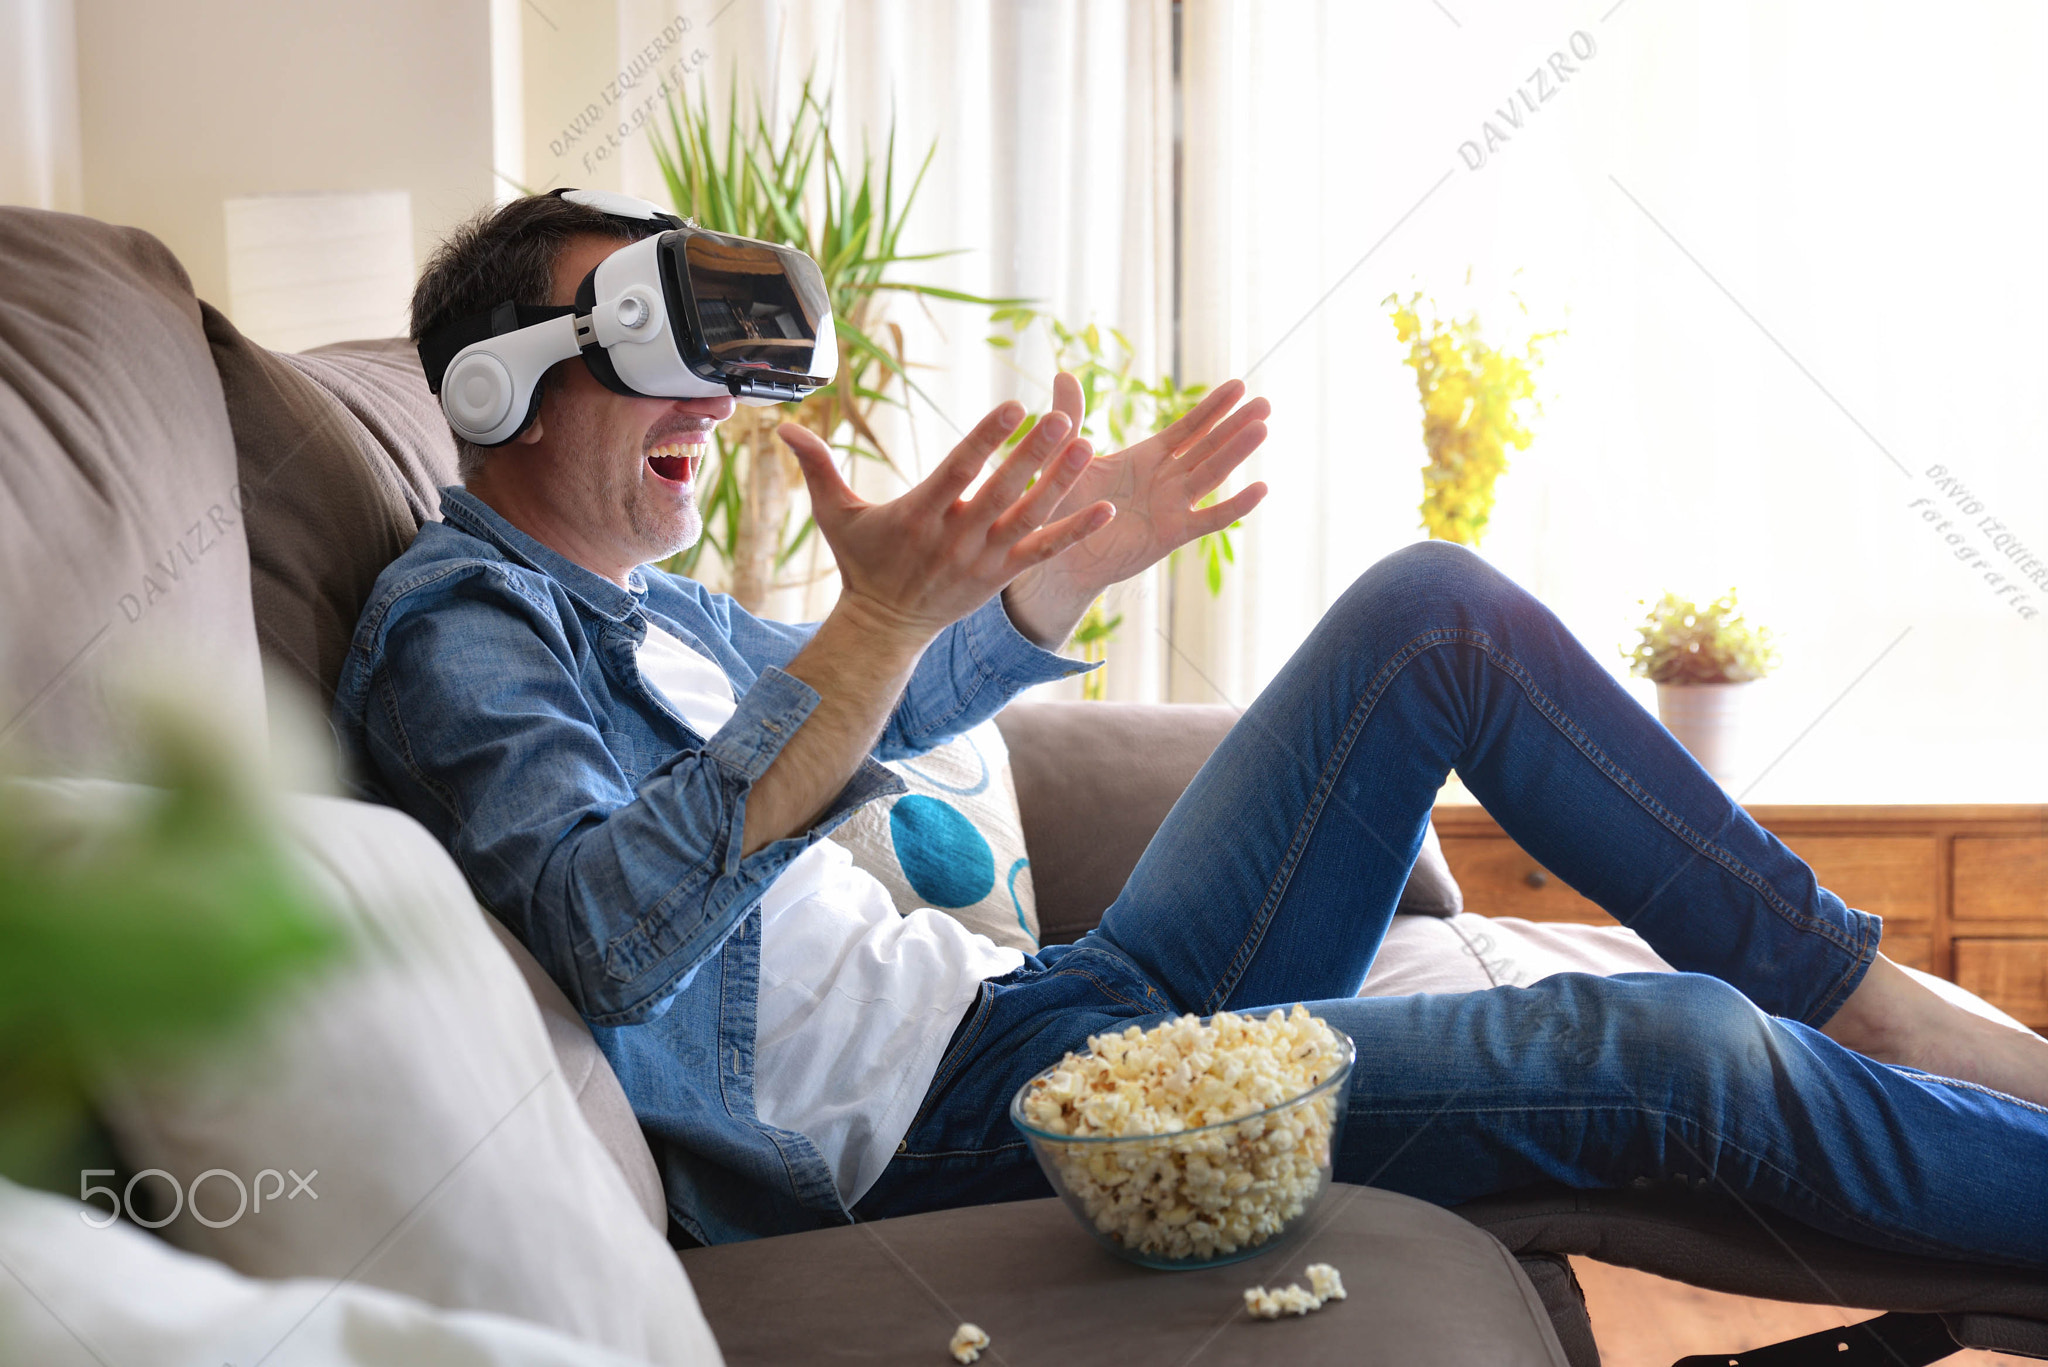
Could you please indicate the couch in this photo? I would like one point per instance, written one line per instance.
(181, 500)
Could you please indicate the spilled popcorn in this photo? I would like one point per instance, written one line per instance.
(1205, 1194)
(1324, 1285)
(968, 1341)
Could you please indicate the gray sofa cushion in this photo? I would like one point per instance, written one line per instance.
(121, 538)
(342, 450)
(1424, 1288)
(1094, 780)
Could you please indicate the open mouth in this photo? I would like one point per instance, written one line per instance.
(676, 461)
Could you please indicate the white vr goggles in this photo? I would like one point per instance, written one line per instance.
(680, 314)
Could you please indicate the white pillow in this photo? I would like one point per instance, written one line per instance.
(1470, 953)
(76, 1296)
(419, 1084)
(954, 842)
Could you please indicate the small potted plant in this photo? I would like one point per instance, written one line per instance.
(1702, 660)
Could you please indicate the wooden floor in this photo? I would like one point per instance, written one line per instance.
(1646, 1321)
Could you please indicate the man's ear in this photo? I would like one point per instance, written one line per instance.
(530, 435)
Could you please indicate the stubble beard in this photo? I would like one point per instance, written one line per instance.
(611, 488)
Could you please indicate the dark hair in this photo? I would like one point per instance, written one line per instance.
(505, 253)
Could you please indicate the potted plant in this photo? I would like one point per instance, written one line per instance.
(1702, 660)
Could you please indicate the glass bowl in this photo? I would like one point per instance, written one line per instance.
(1199, 1197)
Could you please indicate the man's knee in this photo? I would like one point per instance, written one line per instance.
(1431, 578)
(1673, 1025)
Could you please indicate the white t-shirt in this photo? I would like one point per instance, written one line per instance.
(857, 1002)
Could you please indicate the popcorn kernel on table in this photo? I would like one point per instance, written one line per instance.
(968, 1341)
(1206, 1194)
(1325, 1285)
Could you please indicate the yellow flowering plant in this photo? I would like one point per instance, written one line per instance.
(1475, 398)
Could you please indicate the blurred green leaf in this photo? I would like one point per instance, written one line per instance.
(127, 944)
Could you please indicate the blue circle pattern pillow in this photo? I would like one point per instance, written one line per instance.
(954, 842)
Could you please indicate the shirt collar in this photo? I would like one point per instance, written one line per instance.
(600, 595)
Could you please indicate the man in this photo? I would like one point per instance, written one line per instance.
(639, 778)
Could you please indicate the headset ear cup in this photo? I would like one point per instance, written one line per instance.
(476, 394)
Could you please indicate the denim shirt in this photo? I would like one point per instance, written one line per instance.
(491, 692)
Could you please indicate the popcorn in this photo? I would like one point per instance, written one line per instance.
(1209, 1193)
(968, 1341)
(1324, 1284)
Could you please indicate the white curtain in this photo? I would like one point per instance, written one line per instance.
(39, 157)
(1796, 249)
(1052, 120)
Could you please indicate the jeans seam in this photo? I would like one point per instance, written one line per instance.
(1305, 829)
(963, 1153)
(1624, 780)
(956, 1057)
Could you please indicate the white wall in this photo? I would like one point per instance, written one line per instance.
(182, 106)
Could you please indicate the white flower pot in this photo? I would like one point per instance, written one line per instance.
(1705, 718)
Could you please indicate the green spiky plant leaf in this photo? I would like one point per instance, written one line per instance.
(792, 185)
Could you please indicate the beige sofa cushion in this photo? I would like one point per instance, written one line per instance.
(121, 536)
(419, 1082)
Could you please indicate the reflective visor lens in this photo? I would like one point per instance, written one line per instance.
(756, 305)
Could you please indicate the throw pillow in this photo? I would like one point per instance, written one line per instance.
(341, 453)
(416, 1091)
(954, 842)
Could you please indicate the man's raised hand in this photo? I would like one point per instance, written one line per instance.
(920, 562)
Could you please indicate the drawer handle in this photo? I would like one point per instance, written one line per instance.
(1537, 878)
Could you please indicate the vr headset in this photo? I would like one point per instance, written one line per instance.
(680, 314)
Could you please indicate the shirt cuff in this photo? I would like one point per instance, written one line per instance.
(768, 714)
(1010, 656)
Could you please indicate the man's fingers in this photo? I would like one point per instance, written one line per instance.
(1203, 415)
(1042, 498)
(1067, 398)
(1047, 542)
(829, 491)
(1217, 516)
(944, 485)
(1225, 450)
(1013, 474)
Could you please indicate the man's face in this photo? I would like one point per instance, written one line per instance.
(616, 473)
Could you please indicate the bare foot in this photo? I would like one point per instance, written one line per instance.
(1894, 1019)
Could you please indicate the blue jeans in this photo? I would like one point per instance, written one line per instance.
(1275, 876)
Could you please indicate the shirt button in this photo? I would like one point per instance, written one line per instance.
(903, 1146)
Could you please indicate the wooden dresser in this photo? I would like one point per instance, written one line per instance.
(1963, 890)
